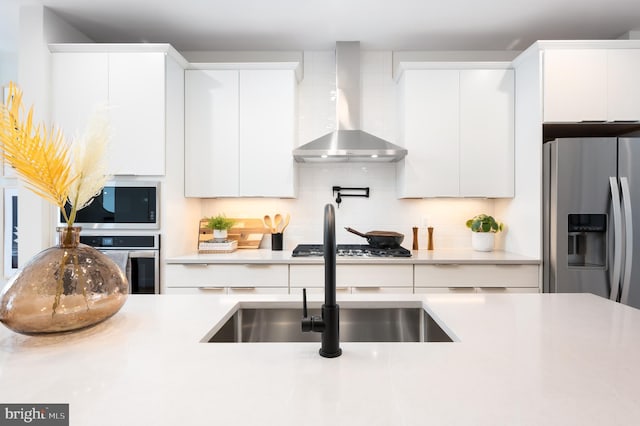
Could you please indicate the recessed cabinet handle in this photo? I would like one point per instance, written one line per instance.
(211, 288)
(243, 288)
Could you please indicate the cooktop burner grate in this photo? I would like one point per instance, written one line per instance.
(351, 250)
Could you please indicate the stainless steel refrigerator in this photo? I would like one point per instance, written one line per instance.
(591, 192)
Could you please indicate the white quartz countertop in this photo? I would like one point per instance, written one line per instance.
(522, 359)
(450, 256)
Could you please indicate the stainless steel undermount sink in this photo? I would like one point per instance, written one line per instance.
(357, 324)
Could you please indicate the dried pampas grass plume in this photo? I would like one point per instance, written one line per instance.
(42, 157)
(89, 161)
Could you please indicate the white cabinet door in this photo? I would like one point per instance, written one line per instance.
(132, 84)
(267, 133)
(575, 85)
(623, 83)
(211, 133)
(430, 132)
(486, 133)
(485, 276)
(458, 126)
(375, 277)
(137, 100)
(227, 275)
(78, 88)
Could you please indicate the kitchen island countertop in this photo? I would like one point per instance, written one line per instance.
(522, 359)
(442, 256)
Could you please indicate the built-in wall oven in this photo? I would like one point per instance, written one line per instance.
(137, 255)
(123, 221)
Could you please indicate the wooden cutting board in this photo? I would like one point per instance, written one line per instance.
(248, 232)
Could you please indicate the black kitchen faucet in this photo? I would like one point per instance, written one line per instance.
(329, 323)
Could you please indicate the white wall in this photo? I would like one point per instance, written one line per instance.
(382, 211)
(8, 67)
(38, 26)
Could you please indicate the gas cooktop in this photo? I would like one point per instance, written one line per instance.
(351, 250)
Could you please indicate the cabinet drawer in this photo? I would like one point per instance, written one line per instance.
(354, 275)
(381, 290)
(475, 290)
(196, 290)
(318, 290)
(215, 275)
(449, 290)
(258, 290)
(445, 275)
(498, 290)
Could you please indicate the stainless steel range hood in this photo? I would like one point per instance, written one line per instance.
(348, 143)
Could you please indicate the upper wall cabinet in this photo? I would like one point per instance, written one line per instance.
(132, 84)
(239, 133)
(591, 84)
(458, 127)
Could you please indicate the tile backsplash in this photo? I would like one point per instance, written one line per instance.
(382, 210)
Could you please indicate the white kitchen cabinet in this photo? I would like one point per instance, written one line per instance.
(429, 122)
(79, 85)
(458, 125)
(575, 85)
(375, 277)
(132, 85)
(211, 133)
(474, 290)
(591, 84)
(623, 84)
(267, 133)
(241, 122)
(228, 276)
(137, 103)
(487, 133)
(477, 277)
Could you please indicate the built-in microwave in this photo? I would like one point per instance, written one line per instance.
(122, 205)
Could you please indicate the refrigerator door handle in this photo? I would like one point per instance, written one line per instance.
(617, 238)
(628, 228)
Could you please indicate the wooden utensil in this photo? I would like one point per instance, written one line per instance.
(267, 221)
(286, 222)
(277, 220)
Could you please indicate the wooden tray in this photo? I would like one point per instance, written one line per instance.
(248, 232)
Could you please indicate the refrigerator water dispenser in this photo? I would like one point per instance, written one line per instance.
(587, 238)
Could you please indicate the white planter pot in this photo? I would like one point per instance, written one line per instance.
(482, 241)
(219, 234)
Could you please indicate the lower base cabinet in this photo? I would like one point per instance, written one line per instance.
(474, 290)
(262, 278)
(210, 278)
(219, 291)
(458, 278)
(359, 279)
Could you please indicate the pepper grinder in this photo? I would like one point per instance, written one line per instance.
(415, 238)
(430, 242)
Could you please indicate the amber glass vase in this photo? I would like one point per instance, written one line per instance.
(63, 288)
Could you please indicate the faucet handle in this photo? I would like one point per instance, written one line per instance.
(304, 303)
(310, 323)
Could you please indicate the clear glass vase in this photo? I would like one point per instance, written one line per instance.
(63, 288)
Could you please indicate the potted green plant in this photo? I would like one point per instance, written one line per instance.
(220, 225)
(483, 229)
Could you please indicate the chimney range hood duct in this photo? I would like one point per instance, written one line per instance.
(348, 143)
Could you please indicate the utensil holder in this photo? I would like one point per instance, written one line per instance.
(276, 241)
